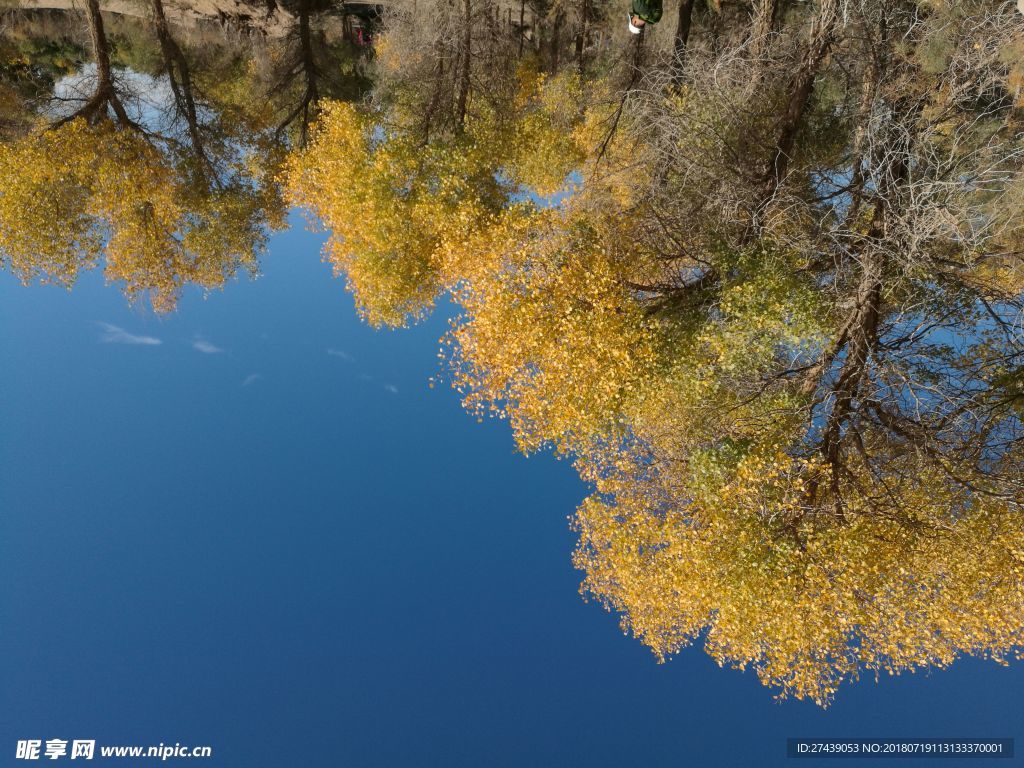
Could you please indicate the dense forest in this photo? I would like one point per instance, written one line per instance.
(756, 271)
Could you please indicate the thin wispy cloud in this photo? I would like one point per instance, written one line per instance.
(113, 334)
(342, 354)
(250, 379)
(391, 388)
(202, 345)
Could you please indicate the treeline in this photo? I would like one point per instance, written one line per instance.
(154, 148)
(757, 271)
(775, 322)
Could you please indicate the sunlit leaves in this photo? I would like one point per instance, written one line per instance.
(774, 325)
(875, 595)
(402, 211)
(45, 223)
(77, 195)
(390, 204)
(550, 336)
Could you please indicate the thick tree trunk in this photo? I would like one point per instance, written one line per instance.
(801, 86)
(862, 337)
(859, 338)
(179, 76)
(467, 55)
(100, 46)
(312, 95)
(435, 100)
(307, 65)
(874, 71)
(522, 27)
(765, 18)
(581, 35)
(105, 95)
(556, 39)
(683, 26)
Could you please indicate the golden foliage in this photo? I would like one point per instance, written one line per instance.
(389, 204)
(78, 194)
(877, 594)
(700, 335)
(544, 312)
(400, 211)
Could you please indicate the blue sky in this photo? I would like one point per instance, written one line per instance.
(266, 533)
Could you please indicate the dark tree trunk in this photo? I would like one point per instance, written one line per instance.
(304, 110)
(683, 32)
(100, 46)
(581, 35)
(179, 76)
(801, 87)
(105, 95)
(766, 14)
(874, 71)
(522, 27)
(556, 39)
(467, 55)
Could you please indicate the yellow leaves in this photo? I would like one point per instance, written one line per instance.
(550, 336)
(134, 197)
(543, 149)
(874, 594)
(45, 227)
(390, 58)
(686, 378)
(398, 211)
(406, 217)
(365, 192)
(616, 171)
(77, 194)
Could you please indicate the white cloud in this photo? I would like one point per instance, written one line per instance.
(342, 354)
(202, 345)
(113, 334)
(250, 379)
(391, 388)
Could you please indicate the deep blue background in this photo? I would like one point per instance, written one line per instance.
(313, 570)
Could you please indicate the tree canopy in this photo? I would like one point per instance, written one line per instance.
(775, 323)
(756, 272)
(133, 145)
